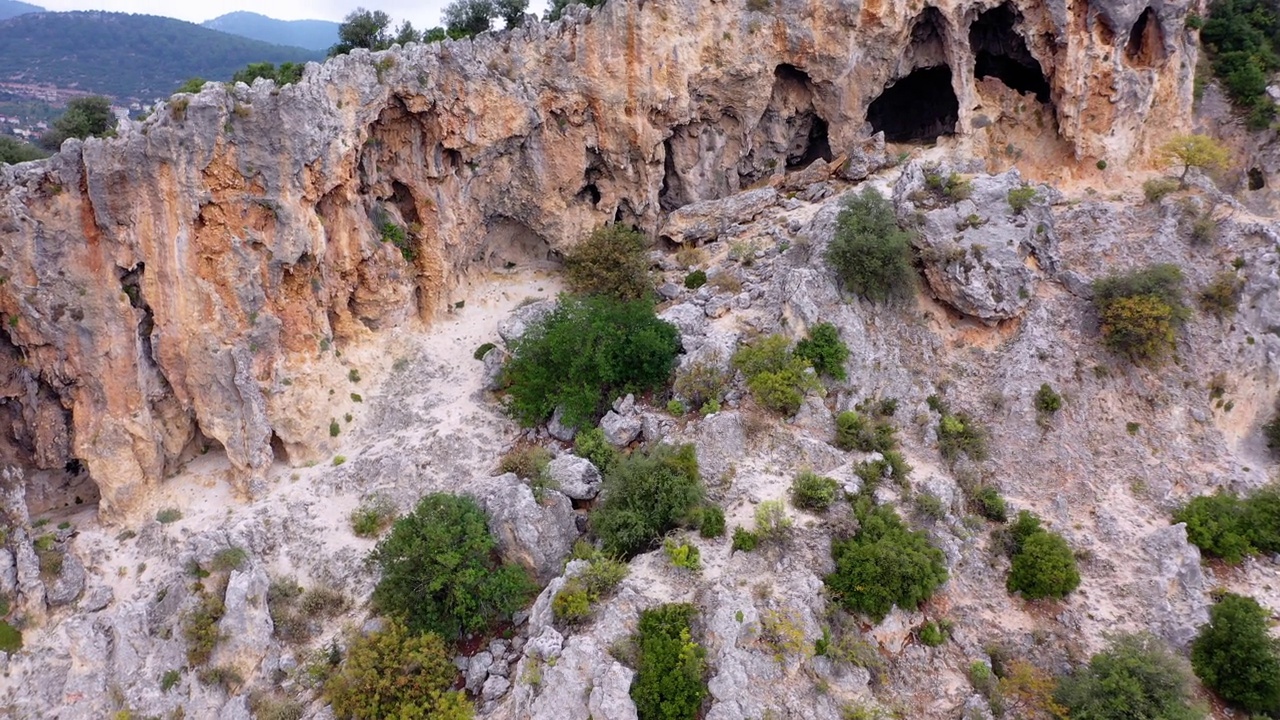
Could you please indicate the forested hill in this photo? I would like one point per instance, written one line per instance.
(11, 8)
(317, 35)
(125, 56)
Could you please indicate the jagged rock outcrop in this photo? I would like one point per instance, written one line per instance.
(182, 286)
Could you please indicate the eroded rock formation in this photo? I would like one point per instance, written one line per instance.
(182, 286)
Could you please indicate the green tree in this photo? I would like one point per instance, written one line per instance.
(1236, 657)
(362, 28)
(14, 151)
(406, 34)
(1142, 311)
(884, 564)
(586, 353)
(644, 496)
(1215, 524)
(191, 86)
(1043, 567)
(612, 261)
(286, 74)
(824, 350)
(394, 673)
(85, 117)
(1194, 151)
(670, 666)
(870, 254)
(511, 11)
(466, 18)
(439, 572)
(1135, 678)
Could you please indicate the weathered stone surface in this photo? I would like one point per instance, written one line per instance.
(620, 430)
(514, 327)
(246, 625)
(558, 429)
(538, 535)
(493, 361)
(66, 588)
(576, 477)
(707, 220)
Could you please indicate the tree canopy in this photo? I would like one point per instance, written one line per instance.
(85, 117)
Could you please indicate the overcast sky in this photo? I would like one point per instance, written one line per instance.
(422, 13)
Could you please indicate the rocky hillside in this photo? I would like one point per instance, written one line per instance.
(234, 353)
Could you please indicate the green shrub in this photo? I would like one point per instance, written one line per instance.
(372, 517)
(526, 461)
(884, 564)
(676, 408)
(772, 521)
(1135, 678)
(824, 350)
(645, 495)
(777, 378)
(1156, 188)
(299, 614)
(584, 354)
(745, 540)
(669, 682)
(390, 232)
(1047, 401)
(1141, 311)
(1240, 36)
(334, 428)
(1227, 526)
(855, 431)
(869, 253)
(1221, 297)
(814, 492)
(168, 515)
(222, 676)
(701, 382)
(572, 604)
(10, 638)
(1043, 567)
(483, 350)
(952, 186)
(929, 506)
(931, 634)
(1023, 527)
(592, 445)
(712, 525)
(695, 279)
(988, 503)
(683, 555)
(1021, 197)
(169, 679)
(613, 261)
(228, 559)
(200, 629)
(439, 572)
(397, 673)
(958, 435)
(1236, 656)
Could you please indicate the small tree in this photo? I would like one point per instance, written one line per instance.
(1135, 678)
(85, 117)
(394, 673)
(1236, 657)
(612, 261)
(870, 254)
(646, 495)
(824, 350)
(1045, 567)
(511, 11)
(1141, 312)
(1194, 151)
(884, 564)
(669, 681)
(362, 28)
(465, 18)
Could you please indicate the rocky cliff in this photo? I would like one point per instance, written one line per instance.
(181, 287)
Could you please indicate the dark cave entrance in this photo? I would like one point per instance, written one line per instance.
(917, 108)
(1001, 53)
(793, 90)
(1146, 40)
(1257, 180)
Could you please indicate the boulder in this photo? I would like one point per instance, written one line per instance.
(620, 430)
(246, 625)
(537, 534)
(66, 588)
(707, 220)
(493, 362)
(522, 318)
(557, 428)
(576, 477)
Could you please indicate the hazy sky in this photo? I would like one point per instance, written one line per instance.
(422, 13)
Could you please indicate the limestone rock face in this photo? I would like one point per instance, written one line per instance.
(161, 287)
(536, 532)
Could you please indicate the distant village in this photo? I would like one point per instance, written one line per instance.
(27, 111)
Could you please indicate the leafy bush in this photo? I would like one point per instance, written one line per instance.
(612, 261)
(572, 604)
(298, 614)
(439, 572)
(1047, 401)
(1221, 297)
(1135, 678)
(869, 253)
(745, 540)
(712, 525)
(574, 601)
(959, 434)
(683, 555)
(772, 521)
(669, 681)
(644, 496)
(884, 564)
(1021, 197)
(397, 673)
(814, 492)
(1227, 526)
(695, 279)
(1156, 188)
(854, 431)
(526, 461)
(988, 503)
(702, 381)
(1236, 657)
(592, 445)
(200, 629)
(372, 517)
(776, 377)
(931, 634)
(824, 350)
(584, 354)
(1043, 567)
(1141, 311)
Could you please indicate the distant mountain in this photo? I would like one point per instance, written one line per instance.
(125, 56)
(310, 34)
(13, 8)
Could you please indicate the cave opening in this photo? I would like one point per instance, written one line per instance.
(1002, 53)
(920, 107)
(1257, 180)
(791, 107)
(1146, 40)
(509, 244)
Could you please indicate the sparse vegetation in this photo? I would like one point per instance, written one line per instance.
(702, 381)
(397, 673)
(1020, 198)
(669, 682)
(855, 431)
(526, 461)
(712, 525)
(1236, 656)
(884, 564)
(959, 434)
(869, 253)
(682, 555)
(777, 378)
(1141, 312)
(439, 572)
(592, 445)
(613, 261)
(200, 629)
(1047, 400)
(645, 495)
(1221, 297)
(168, 515)
(372, 517)
(745, 540)
(695, 279)
(585, 353)
(1156, 188)
(772, 522)
(574, 601)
